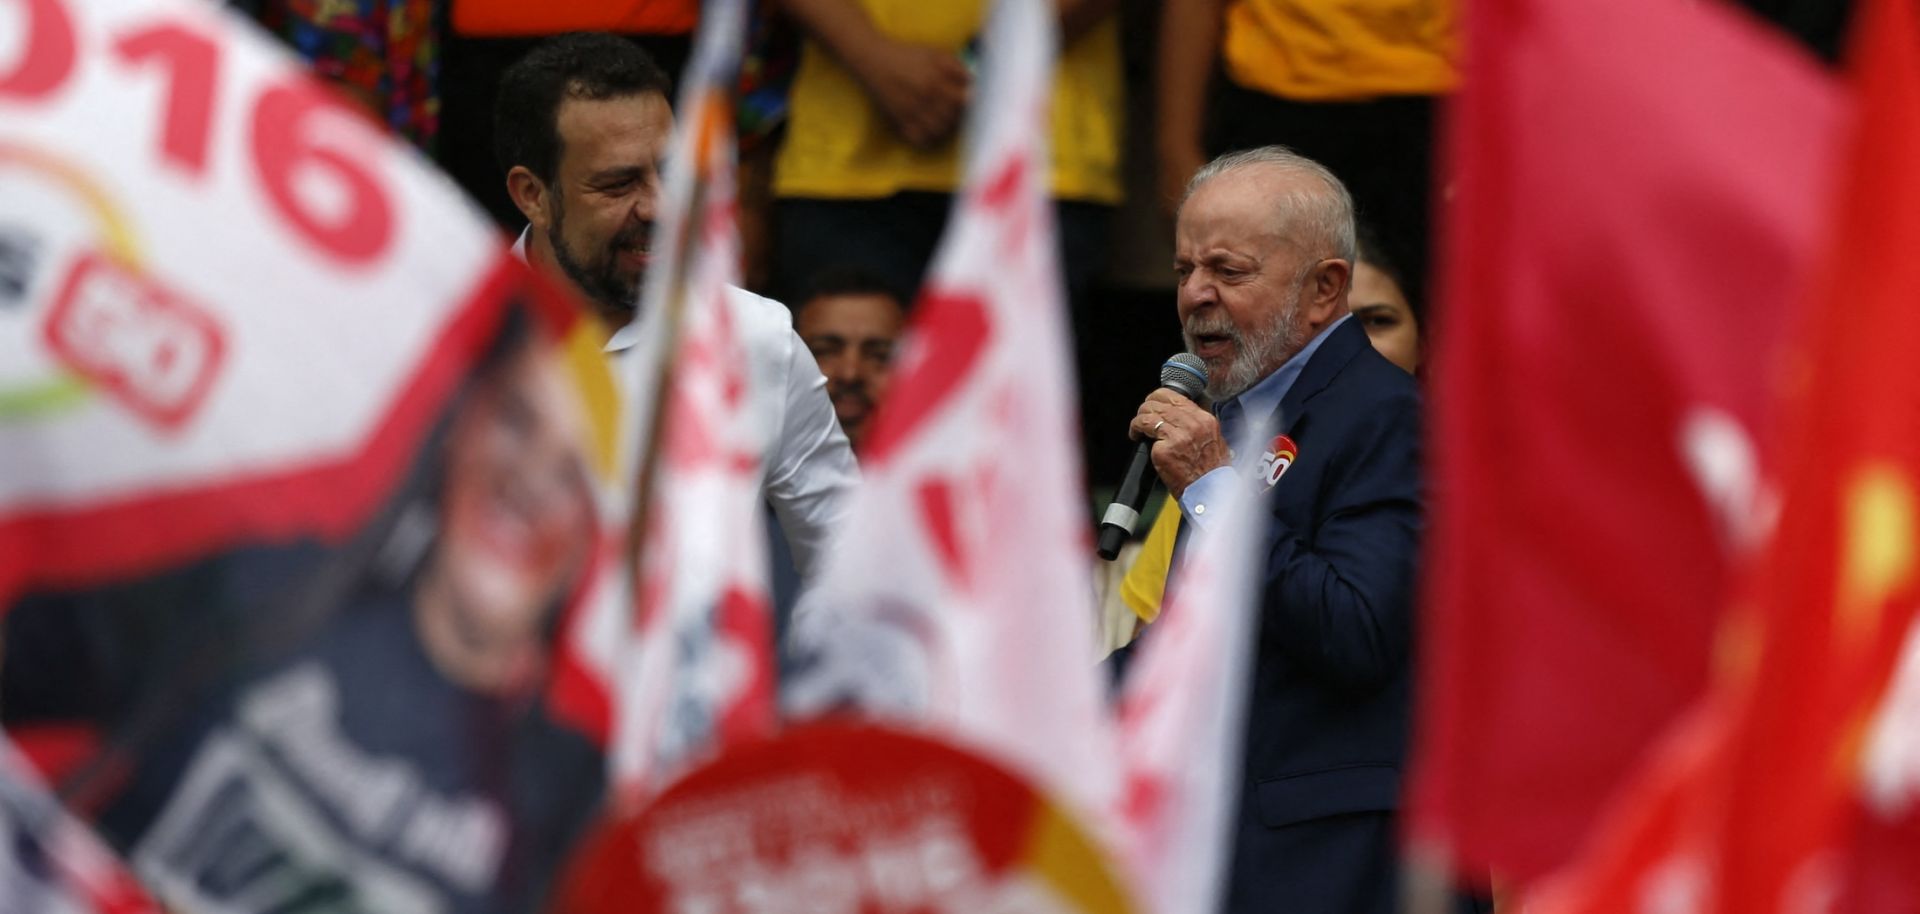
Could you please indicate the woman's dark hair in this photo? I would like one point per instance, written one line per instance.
(1373, 254)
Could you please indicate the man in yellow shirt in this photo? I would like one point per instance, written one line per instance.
(869, 163)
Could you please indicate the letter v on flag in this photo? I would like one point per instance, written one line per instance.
(959, 597)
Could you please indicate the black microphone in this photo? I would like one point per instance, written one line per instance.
(1186, 375)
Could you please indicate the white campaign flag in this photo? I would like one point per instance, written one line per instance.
(246, 335)
(959, 596)
(1183, 716)
(227, 300)
(698, 675)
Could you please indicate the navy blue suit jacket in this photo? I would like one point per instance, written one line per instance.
(1328, 715)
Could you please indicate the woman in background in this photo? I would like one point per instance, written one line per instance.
(1380, 302)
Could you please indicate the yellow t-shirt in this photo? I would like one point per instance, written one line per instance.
(839, 146)
(1329, 50)
(1146, 582)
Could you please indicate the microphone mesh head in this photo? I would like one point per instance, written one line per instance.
(1185, 374)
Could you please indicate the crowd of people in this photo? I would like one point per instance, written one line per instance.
(1266, 256)
(1292, 146)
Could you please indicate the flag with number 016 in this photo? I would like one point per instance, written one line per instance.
(300, 479)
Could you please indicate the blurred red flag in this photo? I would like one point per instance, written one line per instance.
(631, 17)
(1795, 789)
(1637, 186)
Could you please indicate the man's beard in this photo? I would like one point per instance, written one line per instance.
(599, 276)
(1255, 354)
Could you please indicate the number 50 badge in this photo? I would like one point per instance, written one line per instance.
(1280, 455)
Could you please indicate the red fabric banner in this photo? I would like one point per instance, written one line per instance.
(1801, 795)
(518, 17)
(1636, 187)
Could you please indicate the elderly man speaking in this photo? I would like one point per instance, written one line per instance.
(1264, 254)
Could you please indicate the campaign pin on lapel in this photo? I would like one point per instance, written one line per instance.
(1280, 455)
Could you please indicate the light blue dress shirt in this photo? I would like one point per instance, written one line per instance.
(1256, 403)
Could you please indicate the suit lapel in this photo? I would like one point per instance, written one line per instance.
(1339, 348)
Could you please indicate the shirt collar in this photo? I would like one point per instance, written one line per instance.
(622, 339)
(1263, 398)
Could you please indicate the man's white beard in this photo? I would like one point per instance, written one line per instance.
(1255, 354)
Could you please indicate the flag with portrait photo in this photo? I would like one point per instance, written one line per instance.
(959, 597)
(297, 473)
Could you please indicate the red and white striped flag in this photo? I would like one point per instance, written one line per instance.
(698, 673)
(959, 595)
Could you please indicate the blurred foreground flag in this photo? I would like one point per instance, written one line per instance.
(960, 595)
(298, 468)
(1637, 188)
(1184, 715)
(700, 674)
(1796, 788)
(202, 251)
(55, 865)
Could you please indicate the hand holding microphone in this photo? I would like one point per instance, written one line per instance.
(1185, 437)
(1169, 415)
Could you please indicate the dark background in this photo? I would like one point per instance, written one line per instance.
(1126, 326)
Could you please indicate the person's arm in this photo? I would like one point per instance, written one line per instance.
(1189, 41)
(922, 90)
(810, 472)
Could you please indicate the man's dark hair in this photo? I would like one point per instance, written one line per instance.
(585, 65)
(846, 280)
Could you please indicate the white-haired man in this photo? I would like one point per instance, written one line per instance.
(1264, 255)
